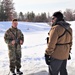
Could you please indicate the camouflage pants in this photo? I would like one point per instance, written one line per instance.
(15, 59)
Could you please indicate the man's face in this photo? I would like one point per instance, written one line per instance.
(14, 24)
(53, 19)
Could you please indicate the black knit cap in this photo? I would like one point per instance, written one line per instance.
(58, 15)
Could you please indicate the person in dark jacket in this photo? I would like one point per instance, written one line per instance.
(59, 46)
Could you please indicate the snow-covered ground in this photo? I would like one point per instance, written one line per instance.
(33, 49)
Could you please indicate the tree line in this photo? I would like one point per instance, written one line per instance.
(7, 13)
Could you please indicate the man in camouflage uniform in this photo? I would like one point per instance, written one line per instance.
(14, 38)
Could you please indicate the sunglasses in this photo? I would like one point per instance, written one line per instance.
(53, 18)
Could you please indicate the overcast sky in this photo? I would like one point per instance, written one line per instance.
(38, 6)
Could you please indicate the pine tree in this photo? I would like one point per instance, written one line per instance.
(3, 16)
(21, 16)
(9, 9)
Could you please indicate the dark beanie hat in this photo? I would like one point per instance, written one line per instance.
(58, 15)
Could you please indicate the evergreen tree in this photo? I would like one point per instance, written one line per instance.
(21, 16)
(3, 16)
(30, 16)
(9, 9)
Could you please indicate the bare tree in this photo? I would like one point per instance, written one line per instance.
(74, 15)
(68, 15)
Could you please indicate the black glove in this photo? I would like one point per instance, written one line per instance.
(69, 57)
(47, 59)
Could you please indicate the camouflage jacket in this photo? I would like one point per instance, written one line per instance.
(13, 34)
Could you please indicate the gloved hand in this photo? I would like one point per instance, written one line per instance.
(47, 59)
(69, 57)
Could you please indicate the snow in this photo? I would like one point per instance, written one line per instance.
(33, 49)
